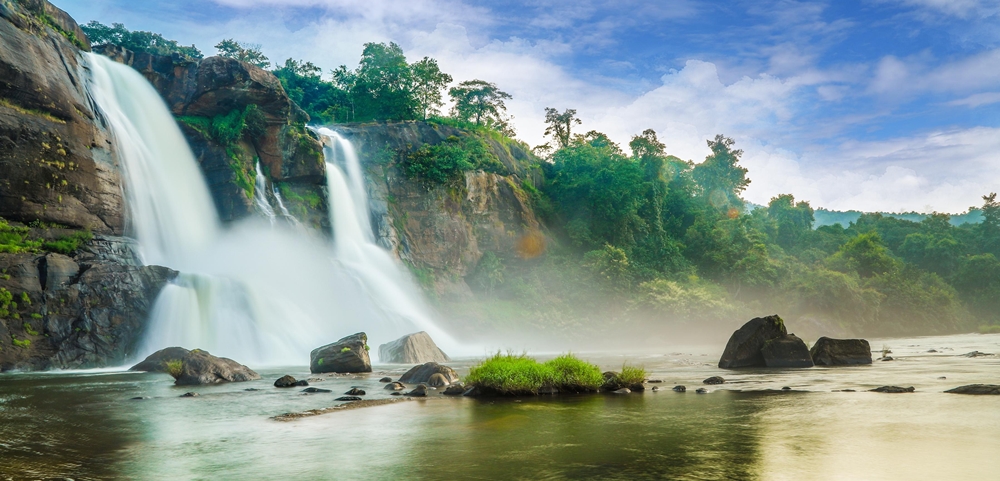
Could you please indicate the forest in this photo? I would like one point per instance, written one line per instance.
(637, 233)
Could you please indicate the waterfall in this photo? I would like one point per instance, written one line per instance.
(260, 196)
(253, 291)
(354, 243)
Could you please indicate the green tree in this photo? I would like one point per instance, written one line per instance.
(864, 254)
(793, 220)
(428, 82)
(480, 102)
(560, 125)
(989, 229)
(720, 176)
(382, 85)
(244, 52)
(136, 41)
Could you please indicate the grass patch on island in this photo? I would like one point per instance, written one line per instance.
(512, 375)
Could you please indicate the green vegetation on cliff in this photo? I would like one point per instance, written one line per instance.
(136, 41)
(228, 130)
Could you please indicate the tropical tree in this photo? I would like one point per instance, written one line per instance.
(560, 124)
(480, 102)
(720, 176)
(428, 82)
(244, 52)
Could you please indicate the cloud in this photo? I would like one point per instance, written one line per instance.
(977, 100)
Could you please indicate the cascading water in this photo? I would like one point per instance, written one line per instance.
(254, 292)
(260, 196)
(354, 243)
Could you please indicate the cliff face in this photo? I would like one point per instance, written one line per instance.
(199, 92)
(59, 172)
(443, 231)
(56, 163)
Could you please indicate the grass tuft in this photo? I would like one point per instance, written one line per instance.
(175, 367)
(512, 375)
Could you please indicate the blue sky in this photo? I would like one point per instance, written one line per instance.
(866, 104)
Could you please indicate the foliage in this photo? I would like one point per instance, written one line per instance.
(228, 130)
(631, 375)
(509, 374)
(244, 52)
(22, 343)
(428, 82)
(482, 103)
(560, 125)
(573, 375)
(136, 41)
(15, 240)
(68, 244)
(175, 367)
(448, 161)
(6, 299)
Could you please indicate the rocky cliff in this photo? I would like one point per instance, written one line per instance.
(67, 298)
(204, 93)
(443, 231)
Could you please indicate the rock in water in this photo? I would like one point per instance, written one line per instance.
(195, 367)
(437, 380)
(423, 373)
(348, 398)
(841, 352)
(893, 389)
(355, 392)
(315, 390)
(289, 381)
(786, 351)
(680, 388)
(395, 386)
(714, 380)
(385, 379)
(419, 391)
(411, 349)
(349, 354)
(454, 389)
(976, 389)
(623, 390)
(743, 348)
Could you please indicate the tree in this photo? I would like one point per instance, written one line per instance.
(479, 101)
(136, 41)
(428, 82)
(382, 85)
(989, 229)
(721, 178)
(646, 145)
(794, 220)
(560, 125)
(244, 52)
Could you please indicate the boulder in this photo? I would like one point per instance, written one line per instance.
(289, 381)
(841, 352)
(419, 391)
(786, 351)
(195, 367)
(437, 380)
(395, 386)
(893, 389)
(454, 389)
(412, 349)
(423, 373)
(355, 392)
(623, 390)
(315, 390)
(189, 394)
(701, 390)
(976, 389)
(385, 379)
(349, 354)
(680, 388)
(714, 380)
(348, 398)
(977, 354)
(743, 348)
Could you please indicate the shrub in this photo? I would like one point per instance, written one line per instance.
(628, 377)
(175, 367)
(447, 161)
(68, 244)
(22, 344)
(510, 375)
(989, 329)
(573, 375)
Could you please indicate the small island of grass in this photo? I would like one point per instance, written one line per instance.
(519, 375)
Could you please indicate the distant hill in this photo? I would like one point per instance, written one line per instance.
(844, 218)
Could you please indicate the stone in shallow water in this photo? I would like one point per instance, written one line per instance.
(348, 355)
(419, 391)
(977, 354)
(714, 380)
(454, 389)
(385, 379)
(423, 373)
(893, 389)
(841, 352)
(348, 398)
(289, 381)
(680, 388)
(623, 390)
(412, 348)
(355, 392)
(743, 348)
(786, 351)
(437, 380)
(189, 394)
(701, 390)
(981, 389)
(395, 386)
(395, 393)
(315, 390)
(195, 367)
(655, 389)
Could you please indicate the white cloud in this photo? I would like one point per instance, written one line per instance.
(976, 100)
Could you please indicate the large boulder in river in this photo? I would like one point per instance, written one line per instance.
(841, 352)
(981, 389)
(349, 354)
(410, 349)
(423, 373)
(786, 351)
(743, 349)
(195, 367)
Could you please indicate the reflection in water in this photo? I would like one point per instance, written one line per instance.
(84, 426)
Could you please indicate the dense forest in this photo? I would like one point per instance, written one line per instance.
(637, 234)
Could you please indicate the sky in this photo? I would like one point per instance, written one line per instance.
(873, 105)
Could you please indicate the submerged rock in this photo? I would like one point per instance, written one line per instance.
(714, 380)
(786, 351)
(976, 354)
(410, 349)
(355, 392)
(289, 381)
(655, 388)
(701, 390)
(419, 391)
(841, 352)
(743, 348)
(315, 390)
(395, 386)
(385, 379)
(195, 367)
(423, 373)
(455, 389)
(893, 389)
(348, 398)
(981, 389)
(680, 388)
(623, 390)
(551, 390)
(437, 380)
(349, 354)
(189, 394)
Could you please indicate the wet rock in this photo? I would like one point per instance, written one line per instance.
(437, 380)
(355, 392)
(843, 390)
(655, 388)
(315, 390)
(932, 350)
(654, 381)
(189, 394)
(423, 373)
(395, 393)
(786, 351)
(195, 367)
(980, 389)
(347, 355)
(395, 386)
(348, 398)
(714, 380)
(942, 377)
(385, 379)
(419, 391)
(886, 358)
(623, 390)
(976, 354)
(680, 388)
(786, 388)
(289, 381)
(841, 352)
(548, 390)
(701, 390)
(251, 389)
(743, 348)
(138, 398)
(892, 389)
(412, 349)
(456, 389)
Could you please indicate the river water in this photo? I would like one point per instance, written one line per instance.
(84, 425)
